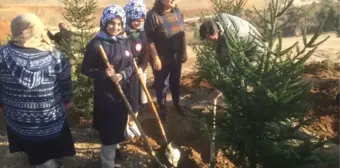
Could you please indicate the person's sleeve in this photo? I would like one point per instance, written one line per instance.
(50, 35)
(64, 79)
(89, 67)
(150, 30)
(184, 43)
(145, 57)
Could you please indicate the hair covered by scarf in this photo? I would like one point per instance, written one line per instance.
(28, 31)
(135, 9)
(111, 12)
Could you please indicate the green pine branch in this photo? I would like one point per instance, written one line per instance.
(81, 15)
(251, 131)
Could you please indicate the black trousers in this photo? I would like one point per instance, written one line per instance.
(168, 77)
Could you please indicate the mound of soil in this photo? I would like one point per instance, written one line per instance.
(186, 133)
(192, 83)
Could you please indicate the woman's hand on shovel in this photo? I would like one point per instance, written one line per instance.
(110, 72)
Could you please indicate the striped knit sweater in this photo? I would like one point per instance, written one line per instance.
(34, 85)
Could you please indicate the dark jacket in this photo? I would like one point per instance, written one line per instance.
(109, 112)
(241, 30)
(141, 54)
(140, 50)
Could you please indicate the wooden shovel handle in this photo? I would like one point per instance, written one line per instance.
(120, 90)
(103, 55)
(150, 101)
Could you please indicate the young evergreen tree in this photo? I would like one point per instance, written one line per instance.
(230, 6)
(81, 15)
(267, 98)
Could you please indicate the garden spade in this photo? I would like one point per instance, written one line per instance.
(212, 145)
(172, 153)
(107, 63)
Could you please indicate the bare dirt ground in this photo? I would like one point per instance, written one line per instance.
(323, 73)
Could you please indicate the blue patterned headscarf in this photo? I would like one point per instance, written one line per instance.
(135, 9)
(111, 12)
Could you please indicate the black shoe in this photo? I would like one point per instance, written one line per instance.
(180, 110)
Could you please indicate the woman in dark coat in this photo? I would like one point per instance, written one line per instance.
(110, 113)
(35, 92)
(164, 28)
(135, 15)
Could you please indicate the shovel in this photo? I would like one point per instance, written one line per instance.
(212, 145)
(107, 63)
(172, 153)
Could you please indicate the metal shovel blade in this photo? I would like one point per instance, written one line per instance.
(172, 154)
